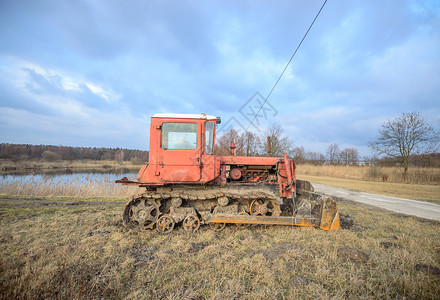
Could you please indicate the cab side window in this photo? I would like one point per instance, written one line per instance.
(209, 137)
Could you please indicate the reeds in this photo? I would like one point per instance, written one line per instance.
(75, 186)
(373, 173)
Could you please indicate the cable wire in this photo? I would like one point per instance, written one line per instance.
(287, 65)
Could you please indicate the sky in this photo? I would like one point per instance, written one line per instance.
(92, 73)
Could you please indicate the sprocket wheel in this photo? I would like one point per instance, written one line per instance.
(140, 215)
(165, 224)
(191, 223)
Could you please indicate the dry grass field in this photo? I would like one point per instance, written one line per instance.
(82, 252)
(422, 183)
(66, 241)
(429, 193)
(424, 176)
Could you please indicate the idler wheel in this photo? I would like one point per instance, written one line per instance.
(165, 224)
(191, 223)
(217, 226)
(243, 213)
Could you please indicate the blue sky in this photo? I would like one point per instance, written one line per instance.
(92, 73)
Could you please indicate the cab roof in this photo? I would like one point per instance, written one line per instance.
(186, 116)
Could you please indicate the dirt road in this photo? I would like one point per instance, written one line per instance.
(405, 206)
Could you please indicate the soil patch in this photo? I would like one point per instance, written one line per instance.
(353, 255)
(388, 245)
(428, 269)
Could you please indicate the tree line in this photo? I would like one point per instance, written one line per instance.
(421, 137)
(406, 140)
(19, 152)
(250, 144)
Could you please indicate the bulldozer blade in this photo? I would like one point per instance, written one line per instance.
(327, 224)
(314, 210)
(317, 210)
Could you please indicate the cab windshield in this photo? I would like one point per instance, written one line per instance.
(179, 136)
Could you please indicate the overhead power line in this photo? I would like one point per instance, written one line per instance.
(287, 65)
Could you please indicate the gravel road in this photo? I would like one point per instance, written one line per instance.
(405, 206)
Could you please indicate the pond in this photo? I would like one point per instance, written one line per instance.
(70, 177)
(82, 184)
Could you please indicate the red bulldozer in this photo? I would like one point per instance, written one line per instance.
(188, 185)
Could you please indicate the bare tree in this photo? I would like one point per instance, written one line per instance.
(246, 144)
(315, 158)
(223, 143)
(279, 143)
(333, 153)
(50, 156)
(349, 156)
(119, 156)
(407, 134)
(298, 154)
(251, 143)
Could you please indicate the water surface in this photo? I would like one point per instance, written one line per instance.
(78, 178)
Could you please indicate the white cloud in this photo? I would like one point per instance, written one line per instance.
(363, 62)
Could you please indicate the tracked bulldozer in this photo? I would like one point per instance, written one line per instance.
(188, 185)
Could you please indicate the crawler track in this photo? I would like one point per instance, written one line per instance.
(191, 207)
(241, 204)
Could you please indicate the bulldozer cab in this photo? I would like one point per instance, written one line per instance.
(182, 148)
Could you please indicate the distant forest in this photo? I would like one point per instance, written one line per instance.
(22, 152)
(19, 152)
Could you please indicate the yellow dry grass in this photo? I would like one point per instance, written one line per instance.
(373, 173)
(85, 253)
(429, 193)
